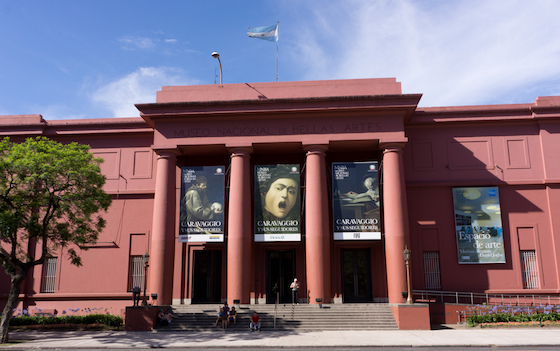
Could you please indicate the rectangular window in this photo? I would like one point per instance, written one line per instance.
(49, 275)
(432, 274)
(136, 272)
(529, 269)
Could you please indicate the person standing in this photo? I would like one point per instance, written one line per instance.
(295, 288)
(225, 313)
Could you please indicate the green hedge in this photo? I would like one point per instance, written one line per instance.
(508, 317)
(105, 319)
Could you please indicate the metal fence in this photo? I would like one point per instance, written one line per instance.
(471, 298)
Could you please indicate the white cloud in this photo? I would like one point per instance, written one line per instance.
(454, 52)
(140, 86)
(170, 40)
(131, 43)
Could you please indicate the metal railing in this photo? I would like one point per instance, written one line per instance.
(472, 298)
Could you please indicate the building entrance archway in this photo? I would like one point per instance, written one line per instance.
(207, 276)
(280, 271)
(356, 275)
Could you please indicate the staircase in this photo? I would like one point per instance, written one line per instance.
(373, 316)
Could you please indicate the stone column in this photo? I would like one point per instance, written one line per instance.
(239, 270)
(395, 221)
(163, 228)
(317, 237)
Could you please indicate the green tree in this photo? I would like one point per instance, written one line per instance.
(51, 197)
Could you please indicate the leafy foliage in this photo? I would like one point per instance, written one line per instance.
(50, 193)
(103, 319)
(50, 198)
(512, 317)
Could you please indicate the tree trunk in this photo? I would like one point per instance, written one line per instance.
(12, 302)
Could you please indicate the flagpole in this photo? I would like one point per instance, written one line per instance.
(277, 38)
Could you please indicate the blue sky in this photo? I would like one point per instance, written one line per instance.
(69, 59)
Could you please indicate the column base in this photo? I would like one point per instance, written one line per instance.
(412, 317)
(141, 318)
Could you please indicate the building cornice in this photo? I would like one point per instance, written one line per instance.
(153, 111)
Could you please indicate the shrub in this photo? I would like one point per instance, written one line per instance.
(101, 319)
(509, 317)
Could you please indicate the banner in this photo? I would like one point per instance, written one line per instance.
(356, 201)
(478, 223)
(202, 200)
(277, 203)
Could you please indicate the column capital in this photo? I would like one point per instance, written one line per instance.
(316, 148)
(392, 147)
(167, 153)
(240, 151)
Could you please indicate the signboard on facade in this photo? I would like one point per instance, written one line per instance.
(478, 223)
(277, 203)
(202, 204)
(356, 201)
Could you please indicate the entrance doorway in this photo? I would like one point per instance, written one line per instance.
(280, 271)
(356, 275)
(207, 276)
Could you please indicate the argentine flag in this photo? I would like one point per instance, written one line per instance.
(269, 33)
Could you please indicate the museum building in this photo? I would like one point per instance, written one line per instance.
(202, 212)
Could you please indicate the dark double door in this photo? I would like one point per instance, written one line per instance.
(356, 275)
(207, 276)
(280, 272)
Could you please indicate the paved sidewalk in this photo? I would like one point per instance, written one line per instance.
(460, 337)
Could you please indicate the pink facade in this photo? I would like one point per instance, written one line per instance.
(423, 153)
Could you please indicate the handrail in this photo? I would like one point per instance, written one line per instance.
(472, 298)
(481, 302)
(276, 308)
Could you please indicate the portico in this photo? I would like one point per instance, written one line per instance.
(308, 123)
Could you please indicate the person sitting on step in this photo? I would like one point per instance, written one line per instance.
(255, 322)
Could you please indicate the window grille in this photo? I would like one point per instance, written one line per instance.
(49, 275)
(432, 274)
(136, 272)
(529, 269)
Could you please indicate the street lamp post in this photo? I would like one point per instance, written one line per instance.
(146, 265)
(216, 55)
(406, 254)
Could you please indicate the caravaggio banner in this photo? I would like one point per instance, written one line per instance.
(478, 223)
(277, 203)
(202, 204)
(356, 201)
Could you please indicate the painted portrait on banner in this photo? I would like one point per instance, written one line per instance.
(202, 204)
(356, 203)
(478, 224)
(277, 203)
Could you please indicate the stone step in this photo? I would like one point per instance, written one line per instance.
(376, 316)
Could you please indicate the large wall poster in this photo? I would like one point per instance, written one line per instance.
(202, 204)
(277, 203)
(478, 223)
(356, 214)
